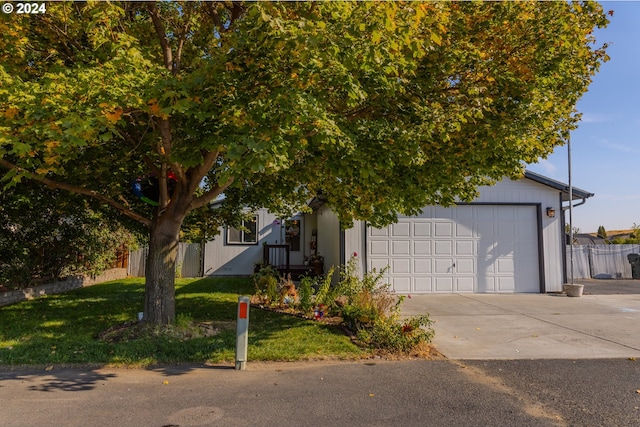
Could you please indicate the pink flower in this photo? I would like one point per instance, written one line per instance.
(355, 254)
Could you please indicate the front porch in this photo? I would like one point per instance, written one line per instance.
(279, 257)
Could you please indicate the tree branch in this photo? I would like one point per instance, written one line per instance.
(158, 25)
(196, 174)
(182, 37)
(78, 190)
(210, 195)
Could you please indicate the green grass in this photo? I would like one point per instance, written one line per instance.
(63, 329)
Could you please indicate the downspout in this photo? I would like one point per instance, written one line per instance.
(584, 200)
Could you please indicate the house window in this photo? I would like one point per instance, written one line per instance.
(245, 235)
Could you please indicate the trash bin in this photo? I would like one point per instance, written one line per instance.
(634, 260)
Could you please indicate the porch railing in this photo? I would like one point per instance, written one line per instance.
(277, 256)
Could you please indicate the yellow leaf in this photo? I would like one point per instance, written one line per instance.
(376, 37)
(11, 112)
(165, 382)
(436, 39)
(113, 116)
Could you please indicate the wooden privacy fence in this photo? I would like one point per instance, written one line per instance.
(188, 263)
(601, 261)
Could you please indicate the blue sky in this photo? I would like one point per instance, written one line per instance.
(605, 149)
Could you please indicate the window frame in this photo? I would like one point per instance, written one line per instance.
(241, 241)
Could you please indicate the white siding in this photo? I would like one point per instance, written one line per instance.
(222, 259)
(328, 237)
(354, 242)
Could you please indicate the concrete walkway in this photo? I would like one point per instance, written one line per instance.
(533, 326)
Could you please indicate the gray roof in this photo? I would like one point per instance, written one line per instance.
(564, 188)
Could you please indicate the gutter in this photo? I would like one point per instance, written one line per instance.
(584, 200)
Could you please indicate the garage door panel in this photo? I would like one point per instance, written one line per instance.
(465, 266)
(401, 284)
(443, 266)
(400, 229)
(380, 263)
(422, 266)
(422, 229)
(505, 266)
(443, 247)
(486, 267)
(465, 247)
(486, 283)
(379, 247)
(444, 284)
(401, 266)
(422, 247)
(465, 284)
(400, 247)
(506, 284)
(379, 232)
(423, 284)
(443, 229)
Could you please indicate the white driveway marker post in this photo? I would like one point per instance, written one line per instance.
(242, 333)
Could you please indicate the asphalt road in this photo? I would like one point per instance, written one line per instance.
(368, 393)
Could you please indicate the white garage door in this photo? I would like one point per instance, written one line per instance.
(468, 248)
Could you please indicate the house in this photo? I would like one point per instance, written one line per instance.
(586, 239)
(509, 239)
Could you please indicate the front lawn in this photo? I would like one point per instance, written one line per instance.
(64, 328)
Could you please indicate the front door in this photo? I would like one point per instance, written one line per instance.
(294, 233)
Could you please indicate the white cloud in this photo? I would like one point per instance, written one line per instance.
(623, 148)
(546, 167)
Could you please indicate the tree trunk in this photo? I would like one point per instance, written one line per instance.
(159, 295)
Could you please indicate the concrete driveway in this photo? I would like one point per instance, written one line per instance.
(603, 323)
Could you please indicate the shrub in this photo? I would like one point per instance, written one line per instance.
(327, 294)
(265, 281)
(391, 334)
(372, 311)
(305, 295)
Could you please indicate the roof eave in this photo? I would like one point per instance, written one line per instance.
(577, 193)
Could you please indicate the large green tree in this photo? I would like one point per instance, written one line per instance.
(383, 107)
(51, 234)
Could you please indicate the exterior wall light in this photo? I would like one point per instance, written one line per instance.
(551, 212)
